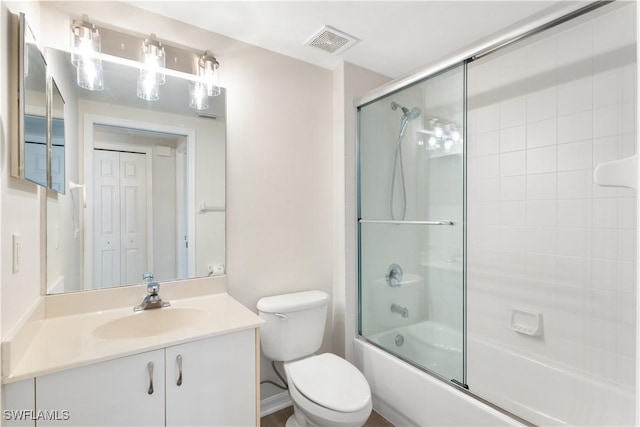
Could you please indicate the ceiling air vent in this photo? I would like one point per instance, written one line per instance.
(331, 40)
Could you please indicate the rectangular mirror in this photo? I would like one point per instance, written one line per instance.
(145, 183)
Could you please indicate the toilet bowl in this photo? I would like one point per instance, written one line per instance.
(326, 390)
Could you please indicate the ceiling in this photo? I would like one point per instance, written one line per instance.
(395, 37)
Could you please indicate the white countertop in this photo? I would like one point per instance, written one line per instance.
(64, 342)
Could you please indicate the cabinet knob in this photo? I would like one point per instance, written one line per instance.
(179, 362)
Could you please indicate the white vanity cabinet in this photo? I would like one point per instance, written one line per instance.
(217, 388)
(122, 392)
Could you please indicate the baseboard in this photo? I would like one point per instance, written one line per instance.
(274, 403)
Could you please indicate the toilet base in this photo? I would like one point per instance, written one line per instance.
(297, 419)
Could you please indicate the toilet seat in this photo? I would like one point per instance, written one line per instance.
(331, 382)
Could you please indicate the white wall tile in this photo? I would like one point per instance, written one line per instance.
(574, 270)
(484, 144)
(575, 127)
(607, 213)
(606, 88)
(575, 47)
(541, 267)
(628, 117)
(487, 119)
(513, 187)
(574, 242)
(575, 96)
(511, 238)
(541, 61)
(605, 40)
(627, 277)
(513, 139)
(487, 166)
(575, 156)
(606, 121)
(574, 213)
(513, 112)
(513, 213)
(541, 105)
(575, 185)
(513, 163)
(542, 133)
(541, 240)
(541, 213)
(606, 149)
(541, 160)
(484, 190)
(605, 243)
(541, 187)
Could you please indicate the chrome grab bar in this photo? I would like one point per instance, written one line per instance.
(391, 221)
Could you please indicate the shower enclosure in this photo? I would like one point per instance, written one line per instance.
(412, 223)
(496, 251)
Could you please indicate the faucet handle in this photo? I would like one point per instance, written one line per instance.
(153, 288)
(147, 277)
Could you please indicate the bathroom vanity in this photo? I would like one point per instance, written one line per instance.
(193, 363)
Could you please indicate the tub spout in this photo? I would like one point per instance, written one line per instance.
(398, 309)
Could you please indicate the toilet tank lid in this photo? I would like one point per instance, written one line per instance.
(292, 302)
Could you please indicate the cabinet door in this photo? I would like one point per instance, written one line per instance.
(112, 393)
(218, 383)
(18, 403)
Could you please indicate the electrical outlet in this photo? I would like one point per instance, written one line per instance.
(216, 269)
(17, 252)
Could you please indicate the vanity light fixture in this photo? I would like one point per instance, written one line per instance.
(150, 75)
(84, 56)
(153, 59)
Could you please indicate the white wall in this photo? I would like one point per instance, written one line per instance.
(542, 235)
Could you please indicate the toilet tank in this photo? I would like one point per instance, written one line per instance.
(294, 324)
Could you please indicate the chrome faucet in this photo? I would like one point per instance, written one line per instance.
(152, 300)
(398, 309)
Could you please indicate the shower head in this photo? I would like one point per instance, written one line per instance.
(408, 114)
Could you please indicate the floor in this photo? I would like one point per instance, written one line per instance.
(278, 419)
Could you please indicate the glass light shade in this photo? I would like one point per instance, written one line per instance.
(89, 74)
(153, 58)
(198, 97)
(208, 67)
(148, 87)
(85, 41)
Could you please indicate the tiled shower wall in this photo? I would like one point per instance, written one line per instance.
(542, 236)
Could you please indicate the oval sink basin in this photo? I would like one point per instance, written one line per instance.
(152, 322)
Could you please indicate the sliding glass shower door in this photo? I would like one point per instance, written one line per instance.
(411, 223)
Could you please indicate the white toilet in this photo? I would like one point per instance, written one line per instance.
(326, 390)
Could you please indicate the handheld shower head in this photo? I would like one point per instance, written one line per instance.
(408, 114)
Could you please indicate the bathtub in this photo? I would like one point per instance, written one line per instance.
(428, 344)
(539, 392)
